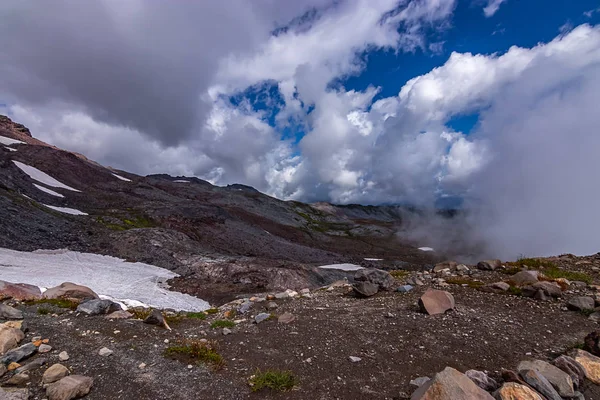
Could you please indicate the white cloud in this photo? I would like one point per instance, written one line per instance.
(492, 7)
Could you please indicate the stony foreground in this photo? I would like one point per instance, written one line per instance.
(337, 343)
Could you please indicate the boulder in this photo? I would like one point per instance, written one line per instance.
(581, 303)
(503, 286)
(548, 289)
(71, 291)
(482, 380)
(436, 302)
(590, 364)
(382, 279)
(524, 278)
(18, 354)
(157, 318)
(559, 379)
(489, 265)
(14, 394)
(537, 381)
(450, 384)
(590, 343)
(18, 379)
(69, 387)
(8, 312)
(97, 307)
(450, 265)
(55, 373)
(19, 291)
(572, 368)
(516, 391)
(9, 338)
(365, 289)
(35, 364)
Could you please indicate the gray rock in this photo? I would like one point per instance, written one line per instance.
(8, 312)
(9, 338)
(595, 316)
(580, 303)
(271, 306)
(523, 278)
(98, 307)
(489, 265)
(365, 289)
(449, 265)
(2, 371)
(35, 364)
(18, 379)
(18, 354)
(14, 394)
(572, 368)
(244, 307)
(537, 381)
(381, 278)
(482, 380)
(44, 348)
(286, 318)
(355, 359)
(69, 387)
(404, 289)
(413, 280)
(63, 356)
(282, 295)
(105, 352)
(121, 314)
(226, 331)
(420, 381)
(261, 317)
(579, 284)
(559, 379)
(54, 373)
(157, 318)
(549, 289)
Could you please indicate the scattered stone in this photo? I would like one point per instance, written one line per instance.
(523, 278)
(516, 391)
(549, 289)
(105, 352)
(71, 291)
(55, 373)
(414, 281)
(245, 307)
(226, 331)
(9, 338)
(44, 348)
(462, 268)
(35, 364)
(559, 379)
(595, 316)
(271, 305)
(405, 288)
(18, 380)
(450, 384)
(581, 303)
(69, 387)
(18, 354)
(449, 265)
(436, 302)
(14, 394)
(63, 356)
(537, 381)
(590, 364)
(8, 312)
(19, 291)
(590, 343)
(579, 284)
(121, 314)
(261, 317)
(489, 265)
(142, 366)
(158, 319)
(355, 359)
(482, 380)
(571, 367)
(282, 295)
(286, 318)
(98, 307)
(503, 286)
(305, 291)
(382, 279)
(365, 289)
(420, 381)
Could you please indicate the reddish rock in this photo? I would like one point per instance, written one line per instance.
(515, 391)
(19, 291)
(436, 302)
(450, 384)
(71, 291)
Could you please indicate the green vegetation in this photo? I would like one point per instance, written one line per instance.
(511, 270)
(280, 381)
(201, 351)
(515, 291)
(140, 313)
(62, 303)
(196, 315)
(532, 263)
(43, 311)
(212, 311)
(399, 273)
(221, 323)
(555, 273)
(464, 281)
(126, 223)
(587, 313)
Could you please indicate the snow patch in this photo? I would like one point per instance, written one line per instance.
(8, 141)
(65, 210)
(131, 284)
(42, 177)
(181, 181)
(121, 178)
(342, 267)
(51, 192)
(9, 148)
(373, 259)
(426, 248)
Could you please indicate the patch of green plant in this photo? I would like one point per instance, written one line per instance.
(62, 303)
(464, 281)
(139, 222)
(140, 313)
(511, 270)
(212, 311)
(587, 313)
(555, 273)
(399, 273)
(196, 315)
(517, 291)
(280, 381)
(109, 225)
(579, 346)
(531, 263)
(222, 323)
(43, 311)
(196, 350)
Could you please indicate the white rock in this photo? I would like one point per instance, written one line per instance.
(105, 352)
(63, 356)
(355, 359)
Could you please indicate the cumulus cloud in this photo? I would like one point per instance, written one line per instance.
(492, 7)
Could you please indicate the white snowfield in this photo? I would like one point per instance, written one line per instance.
(9, 148)
(342, 267)
(426, 248)
(181, 181)
(373, 259)
(8, 141)
(109, 277)
(42, 177)
(66, 210)
(44, 189)
(121, 178)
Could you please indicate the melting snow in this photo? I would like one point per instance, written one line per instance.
(342, 267)
(181, 181)
(42, 177)
(66, 210)
(121, 178)
(373, 259)
(43, 189)
(110, 277)
(425, 248)
(8, 141)
(10, 149)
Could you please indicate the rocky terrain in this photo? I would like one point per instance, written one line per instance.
(393, 322)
